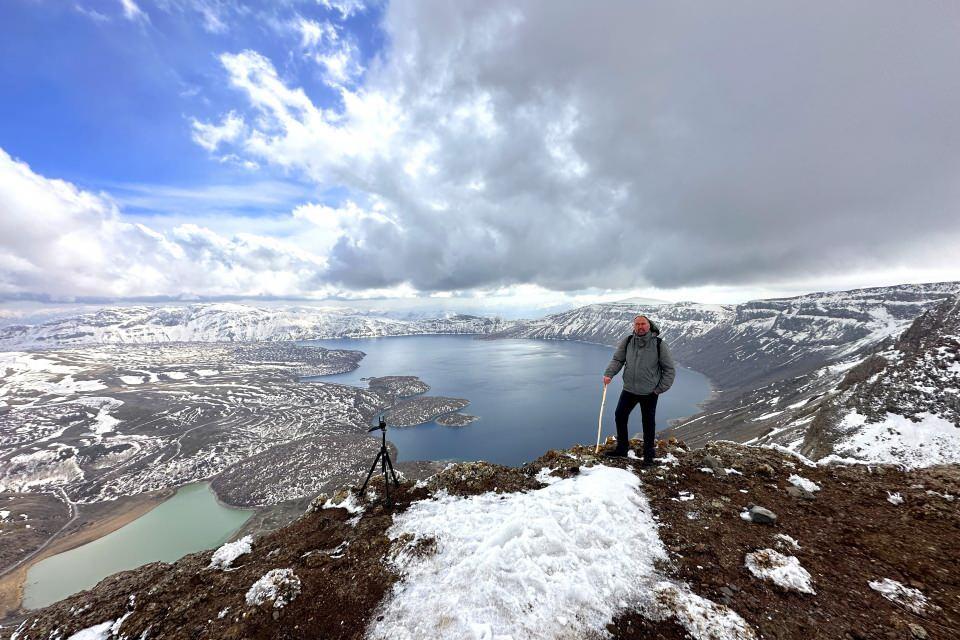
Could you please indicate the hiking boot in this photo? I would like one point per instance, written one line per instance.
(614, 454)
(650, 463)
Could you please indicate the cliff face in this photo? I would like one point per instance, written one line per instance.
(571, 546)
(898, 405)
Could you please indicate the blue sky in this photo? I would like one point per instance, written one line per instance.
(106, 102)
(482, 152)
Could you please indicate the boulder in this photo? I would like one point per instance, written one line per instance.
(761, 515)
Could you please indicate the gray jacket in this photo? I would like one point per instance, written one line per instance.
(642, 374)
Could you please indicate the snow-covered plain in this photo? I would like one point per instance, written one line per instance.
(558, 562)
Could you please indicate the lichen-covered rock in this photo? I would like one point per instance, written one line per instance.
(472, 478)
(278, 587)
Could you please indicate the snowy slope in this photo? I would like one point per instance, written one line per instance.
(900, 405)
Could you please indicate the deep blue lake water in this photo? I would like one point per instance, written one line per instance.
(531, 395)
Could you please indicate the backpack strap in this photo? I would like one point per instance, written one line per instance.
(659, 341)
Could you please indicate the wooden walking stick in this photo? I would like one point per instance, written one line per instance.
(600, 421)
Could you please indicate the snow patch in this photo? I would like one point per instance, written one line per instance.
(803, 483)
(24, 472)
(516, 565)
(224, 556)
(349, 503)
(703, 619)
(103, 422)
(545, 476)
(894, 498)
(903, 595)
(899, 440)
(784, 571)
(788, 541)
(100, 631)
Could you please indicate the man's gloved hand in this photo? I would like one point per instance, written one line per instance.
(606, 380)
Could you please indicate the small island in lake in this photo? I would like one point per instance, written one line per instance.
(456, 420)
(409, 413)
(398, 386)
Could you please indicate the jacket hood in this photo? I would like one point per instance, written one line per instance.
(654, 327)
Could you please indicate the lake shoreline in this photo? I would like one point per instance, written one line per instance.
(94, 522)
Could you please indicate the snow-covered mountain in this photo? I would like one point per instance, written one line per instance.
(230, 323)
(900, 404)
(741, 347)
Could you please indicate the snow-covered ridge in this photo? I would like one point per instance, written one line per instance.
(743, 346)
(708, 336)
(229, 323)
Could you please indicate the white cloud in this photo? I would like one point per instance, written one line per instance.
(346, 8)
(132, 12)
(214, 13)
(93, 14)
(211, 136)
(59, 240)
(326, 44)
(314, 34)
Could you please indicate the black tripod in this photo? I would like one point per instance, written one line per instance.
(383, 457)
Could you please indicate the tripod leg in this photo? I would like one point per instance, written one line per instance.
(374, 466)
(392, 472)
(386, 480)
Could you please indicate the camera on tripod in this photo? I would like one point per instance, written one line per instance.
(383, 457)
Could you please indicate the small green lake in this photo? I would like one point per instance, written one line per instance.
(192, 520)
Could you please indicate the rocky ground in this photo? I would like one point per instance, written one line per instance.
(847, 526)
(26, 521)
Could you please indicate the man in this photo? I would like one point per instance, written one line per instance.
(648, 371)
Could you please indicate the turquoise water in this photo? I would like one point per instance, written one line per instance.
(531, 395)
(192, 520)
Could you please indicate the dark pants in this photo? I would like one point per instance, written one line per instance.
(648, 413)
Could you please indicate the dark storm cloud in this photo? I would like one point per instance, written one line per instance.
(674, 144)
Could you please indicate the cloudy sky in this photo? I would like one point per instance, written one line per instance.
(503, 153)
